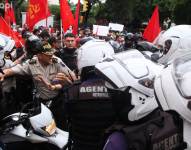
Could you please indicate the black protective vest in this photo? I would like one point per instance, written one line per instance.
(162, 131)
(90, 113)
(70, 59)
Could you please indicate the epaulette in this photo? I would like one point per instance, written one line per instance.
(32, 61)
(54, 60)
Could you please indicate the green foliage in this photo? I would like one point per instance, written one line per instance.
(132, 13)
(182, 13)
(55, 10)
(19, 6)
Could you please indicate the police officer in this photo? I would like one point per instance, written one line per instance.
(90, 109)
(44, 68)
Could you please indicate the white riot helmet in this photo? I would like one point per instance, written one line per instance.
(173, 89)
(129, 76)
(2, 45)
(10, 45)
(6, 43)
(93, 52)
(175, 42)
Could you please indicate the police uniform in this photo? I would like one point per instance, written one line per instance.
(34, 68)
(9, 83)
(90, 113)
(52, 98)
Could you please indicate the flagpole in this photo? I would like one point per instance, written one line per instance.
(76, 23)
(47, 15)
(61, 34)
(14, 23)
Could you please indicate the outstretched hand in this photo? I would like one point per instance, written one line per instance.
(47, 84)
(1, 77)
(62, 78)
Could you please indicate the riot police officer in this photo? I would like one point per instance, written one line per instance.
(90, 109)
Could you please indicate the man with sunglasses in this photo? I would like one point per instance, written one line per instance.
(45, 70)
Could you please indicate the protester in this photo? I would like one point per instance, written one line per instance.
(54, 42)
(68, 53)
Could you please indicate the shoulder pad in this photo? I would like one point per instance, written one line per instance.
(32, 61)
(54, 60)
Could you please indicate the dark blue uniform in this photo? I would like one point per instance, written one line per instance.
(90, 113)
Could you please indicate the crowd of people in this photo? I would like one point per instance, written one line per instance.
(49, 64)
(61, 71)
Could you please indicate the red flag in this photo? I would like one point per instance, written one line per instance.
(6, 30)
(66, 15)
(75, 30)
(153, 28)
(17, 37)
(37, 11)
(4, 27)
(9, 13)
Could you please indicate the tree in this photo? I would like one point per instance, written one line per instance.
(181, 12)
(55, 10)
(120, 11)
(132, 13)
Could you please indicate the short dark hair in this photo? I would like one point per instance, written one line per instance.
(35, 31)
(69, 35)
(52, 40)
(44, 34)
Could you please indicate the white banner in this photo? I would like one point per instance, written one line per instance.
(100, 30)
(116, 27)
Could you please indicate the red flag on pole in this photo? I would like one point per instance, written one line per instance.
(66, 15)
(6, 30)
(75, 30)
(153, 28)
(37, 11)
(4, 27)
(9, 13)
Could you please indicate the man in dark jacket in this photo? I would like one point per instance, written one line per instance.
(68, 53)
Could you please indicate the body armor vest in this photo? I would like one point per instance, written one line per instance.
(90, 113)
(162, 131)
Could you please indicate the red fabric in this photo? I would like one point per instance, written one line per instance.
(75, 30)
(6, 30)
(37, 11)
(153, 28)
(9, 13)
(17, 37)
(66, 15)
